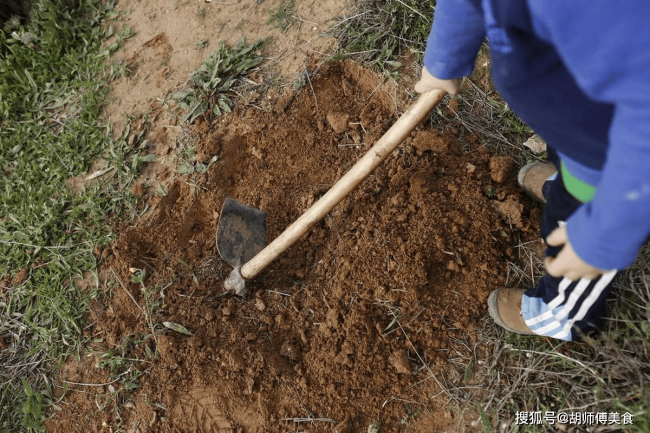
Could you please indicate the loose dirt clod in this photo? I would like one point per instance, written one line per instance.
(501, 167)
(338, 121)
(420, 241)
(342, 427)
(19, 278)
(400, 360)
(512, 209)
(260, 305)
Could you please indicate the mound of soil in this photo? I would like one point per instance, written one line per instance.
(359, 322)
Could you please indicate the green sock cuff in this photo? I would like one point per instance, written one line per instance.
(580, 189)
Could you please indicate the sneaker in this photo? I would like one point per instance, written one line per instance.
(504, 306)
(532, 177)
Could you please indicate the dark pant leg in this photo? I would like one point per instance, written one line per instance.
(558, 307)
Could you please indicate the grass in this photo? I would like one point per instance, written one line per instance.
(609, 373)
(53, 84)
(379, 32)
(209, 90)
(125, 375)
(284, 16)
(480, 112)
(209, 85)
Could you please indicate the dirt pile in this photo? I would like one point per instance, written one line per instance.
(358, 322)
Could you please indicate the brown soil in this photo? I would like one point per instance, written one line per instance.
(360, 321)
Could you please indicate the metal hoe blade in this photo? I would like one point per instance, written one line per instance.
(241, 234)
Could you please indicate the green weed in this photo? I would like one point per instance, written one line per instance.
(32, 408)
(485, 421)
(125, 379)
(210, 84)
(152, 298)
(284, 16)
(161, 191)
(301, 80)
(125, 33)
(186, 159)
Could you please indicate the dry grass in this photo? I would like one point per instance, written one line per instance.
(378, 32)
(21, 365)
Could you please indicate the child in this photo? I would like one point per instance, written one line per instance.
(578, 73)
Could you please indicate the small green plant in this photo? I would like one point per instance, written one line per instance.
(200, 14)
(201, 45)
(161, 191)
(151, 297)
(301, 80)
(119, 393)
(485, 421)
(125, 33)
(186, 160)
(32, 408)
(284, 16)
(276, 83)
(210, 84)
(412, 412)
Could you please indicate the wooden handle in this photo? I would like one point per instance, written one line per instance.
(375, 156)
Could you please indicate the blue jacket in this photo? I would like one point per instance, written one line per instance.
(578, 72)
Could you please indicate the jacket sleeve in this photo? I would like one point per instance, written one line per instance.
(605, 47)
(456, 36)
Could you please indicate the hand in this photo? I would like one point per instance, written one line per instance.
(429, 82)
(567, 263)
